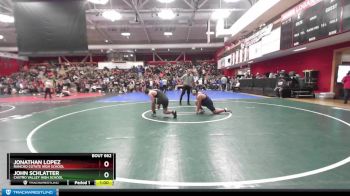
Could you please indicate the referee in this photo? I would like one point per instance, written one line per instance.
(188, 83)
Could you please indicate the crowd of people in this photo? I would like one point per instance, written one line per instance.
(63, 79)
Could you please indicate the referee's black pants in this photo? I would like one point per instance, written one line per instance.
(48, 91)
(184, 90)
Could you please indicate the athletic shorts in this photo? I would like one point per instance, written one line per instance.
(164, 103)
(209, 104)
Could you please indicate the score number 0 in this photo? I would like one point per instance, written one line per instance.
(106, 164)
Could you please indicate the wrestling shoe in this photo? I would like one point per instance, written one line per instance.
(226, 110)
(175, 114)
(154, 114)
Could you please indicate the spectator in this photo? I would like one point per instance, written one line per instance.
(48, 87)
(223, 83)
(346, 82)
(282, 84)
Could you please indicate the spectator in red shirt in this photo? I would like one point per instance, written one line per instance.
(346, 82)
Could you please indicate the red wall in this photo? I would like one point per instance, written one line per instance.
(319, 59)
(173, 56)
(9, 66)
(69, 58)
(229, 72)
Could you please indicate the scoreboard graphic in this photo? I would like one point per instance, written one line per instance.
(313, 20)
(61, 169)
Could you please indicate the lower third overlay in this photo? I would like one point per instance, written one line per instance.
(28, 171)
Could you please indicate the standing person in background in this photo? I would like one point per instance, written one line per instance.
(48, 86)
(223, 83)
(346, 82)
(188, 83)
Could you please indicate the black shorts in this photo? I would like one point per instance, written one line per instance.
(209, 104)
(164, 103)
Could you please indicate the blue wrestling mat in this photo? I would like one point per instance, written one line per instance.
(175, 96)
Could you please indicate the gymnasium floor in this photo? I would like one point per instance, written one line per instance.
(267, 143)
